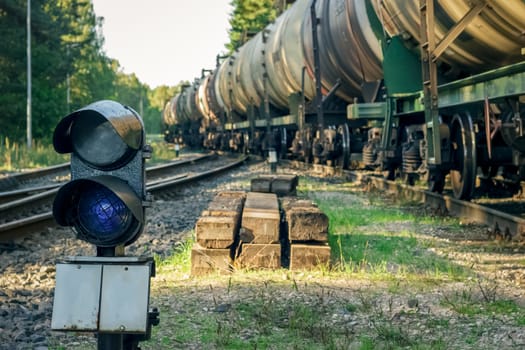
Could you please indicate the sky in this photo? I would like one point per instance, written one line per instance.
(164, 41)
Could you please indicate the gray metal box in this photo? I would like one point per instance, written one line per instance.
(97, 296)
(124, 299)
(77, 293)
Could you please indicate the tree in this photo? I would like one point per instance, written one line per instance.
(158, 98)
(70, 69)
(248, 18)
(65, 55)
(91, 73)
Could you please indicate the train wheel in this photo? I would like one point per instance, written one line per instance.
(463, 172)
(409, 179)
(436, 181)
(307, 148)
(389, 173)
(284, 143)
(344, 159)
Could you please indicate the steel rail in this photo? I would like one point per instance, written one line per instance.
(22, 196)
(9, 180)
(8, 196)
(17, 228)
(191, 178)
(500, 224)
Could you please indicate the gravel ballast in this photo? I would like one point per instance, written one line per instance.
(28, 272)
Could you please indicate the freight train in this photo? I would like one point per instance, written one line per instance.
(421, 89)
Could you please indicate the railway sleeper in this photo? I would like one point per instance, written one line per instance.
(266, 228)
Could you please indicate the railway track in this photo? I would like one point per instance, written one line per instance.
(48, 176)
(501, 224)
(26, 215)
(13, 181)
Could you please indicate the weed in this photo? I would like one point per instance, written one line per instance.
(180, 260)
(520, 319)
(392, 334)
(488, 290)
(162, 151)
(17, 156)
(368, 302)
(350, 307)
(466, 302)
(438, 322)
(225, 332)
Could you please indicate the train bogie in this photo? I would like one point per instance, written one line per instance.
(477, 116)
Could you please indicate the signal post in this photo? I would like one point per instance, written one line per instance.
(105, 204)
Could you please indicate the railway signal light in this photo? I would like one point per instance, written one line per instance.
(104, 201)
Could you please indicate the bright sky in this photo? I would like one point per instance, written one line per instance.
(164, 41)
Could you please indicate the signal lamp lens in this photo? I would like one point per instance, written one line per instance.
(96, 141)
(103, 214)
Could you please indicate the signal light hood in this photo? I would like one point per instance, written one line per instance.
(124, 120)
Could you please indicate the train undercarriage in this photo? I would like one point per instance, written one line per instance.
(480, 136)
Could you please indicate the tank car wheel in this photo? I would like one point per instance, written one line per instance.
(389, 173)
(463, 172)
(436, 181)
(284, 142)
(307, 149)
(344, 159)
(409, 179)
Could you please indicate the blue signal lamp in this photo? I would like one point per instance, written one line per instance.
(104, 201)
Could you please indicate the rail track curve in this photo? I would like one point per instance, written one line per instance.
(162, 181)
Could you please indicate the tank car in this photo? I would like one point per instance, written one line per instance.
(274, 93)
(422, 89)
(454, 72)
(182, 119)
(168, 122)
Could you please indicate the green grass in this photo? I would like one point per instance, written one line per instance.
(377, 248)
(483, 299)
(262, 320)
(161, 152)
(17, 156)
(180, 260)
(381, 253)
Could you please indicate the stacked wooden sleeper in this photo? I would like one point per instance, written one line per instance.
(307, 233)
(216, 233)
(251, 230)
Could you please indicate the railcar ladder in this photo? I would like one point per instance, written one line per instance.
(430, 82)
(430, 52)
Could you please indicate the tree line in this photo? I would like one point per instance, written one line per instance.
(70, 69)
